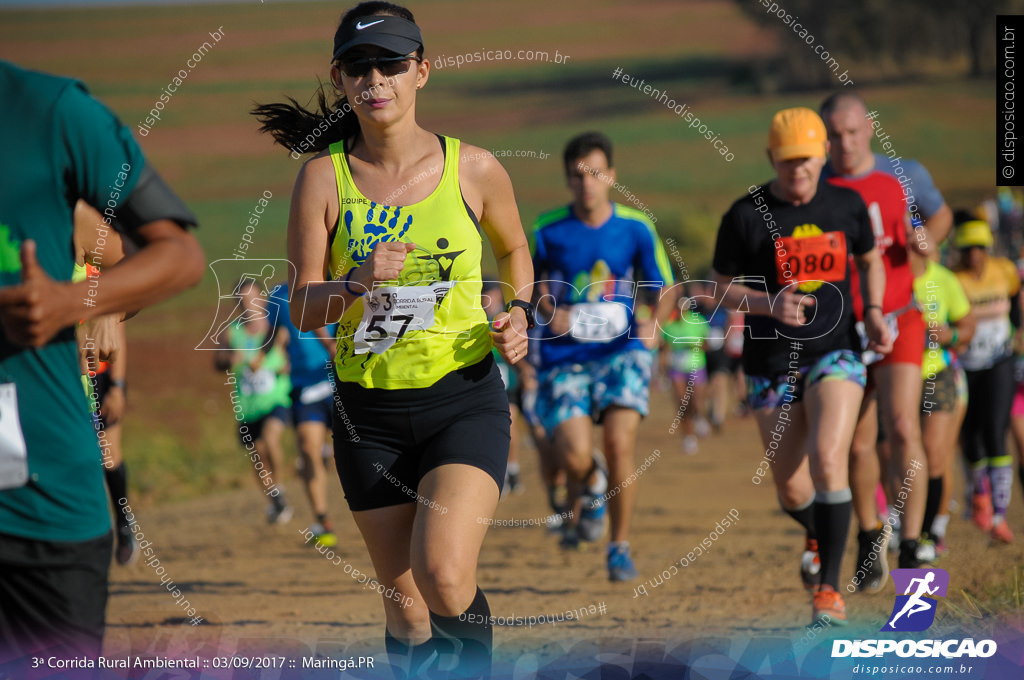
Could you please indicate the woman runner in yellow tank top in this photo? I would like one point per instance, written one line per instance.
(385, 237)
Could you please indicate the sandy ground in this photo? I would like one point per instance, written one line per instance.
(262, 590)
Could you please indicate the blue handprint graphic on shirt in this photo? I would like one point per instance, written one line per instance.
(380, 228)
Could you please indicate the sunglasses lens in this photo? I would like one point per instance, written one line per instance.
(355, 69)
(394, 68)
(388, 66)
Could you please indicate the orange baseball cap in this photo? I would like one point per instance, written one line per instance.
(796, 133)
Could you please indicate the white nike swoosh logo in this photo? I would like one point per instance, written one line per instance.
(360, 25)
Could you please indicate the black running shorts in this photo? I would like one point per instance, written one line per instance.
(101, 385)
(53, 596)
(720, 362)
(406, 433)
(251, 431)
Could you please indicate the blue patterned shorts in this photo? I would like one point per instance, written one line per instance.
(772, 391)
(572, 390)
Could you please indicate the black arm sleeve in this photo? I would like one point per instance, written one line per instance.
(865, 239)
(152, 200)
(728, 259)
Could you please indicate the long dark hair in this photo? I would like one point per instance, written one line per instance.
(294, 127)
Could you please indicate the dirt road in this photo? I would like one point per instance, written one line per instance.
(262, 590)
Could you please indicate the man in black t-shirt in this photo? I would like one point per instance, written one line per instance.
(783, 256)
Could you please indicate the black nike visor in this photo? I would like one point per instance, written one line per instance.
(394, 34)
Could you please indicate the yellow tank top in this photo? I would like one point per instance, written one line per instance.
(431, 323)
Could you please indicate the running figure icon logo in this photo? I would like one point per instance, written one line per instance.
(915, 609)
(232, 276)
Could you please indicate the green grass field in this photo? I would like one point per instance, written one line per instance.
(702, 53)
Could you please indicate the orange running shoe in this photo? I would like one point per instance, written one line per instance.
(982, 511)
(810, 565)
(1001, 531)
(829, 607)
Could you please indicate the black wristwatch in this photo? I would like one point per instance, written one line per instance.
(526, 307)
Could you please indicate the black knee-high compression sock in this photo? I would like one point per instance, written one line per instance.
(931, 505)
(832, 513)
(804, 515)
(472, 632)
(117, 483)
(409, 661)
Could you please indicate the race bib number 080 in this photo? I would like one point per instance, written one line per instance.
(811, 258)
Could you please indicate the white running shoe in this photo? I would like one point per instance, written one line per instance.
(279, 516)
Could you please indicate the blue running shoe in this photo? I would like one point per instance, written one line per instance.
(620, 564)
(592, 518)
(570, 539)
(593, 510)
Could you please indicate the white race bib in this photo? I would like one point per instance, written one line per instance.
(734, 342)
(315, 393)
(256, 382)
(503, 369)
(599, 321)
(389, 313)
(684, 361)
(990, 343)
(870, 356)
(13, 451)
(716, 338)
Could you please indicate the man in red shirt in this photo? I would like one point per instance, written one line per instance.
(895, 377)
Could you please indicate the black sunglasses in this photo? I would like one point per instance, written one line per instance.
(388, 66)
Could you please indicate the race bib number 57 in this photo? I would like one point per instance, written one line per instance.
(392, 312)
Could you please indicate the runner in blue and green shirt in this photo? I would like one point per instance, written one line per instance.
(593, 258)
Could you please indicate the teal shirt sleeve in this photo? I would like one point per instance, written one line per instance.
(100, 159)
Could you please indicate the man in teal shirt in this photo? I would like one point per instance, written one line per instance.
(61, 145)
